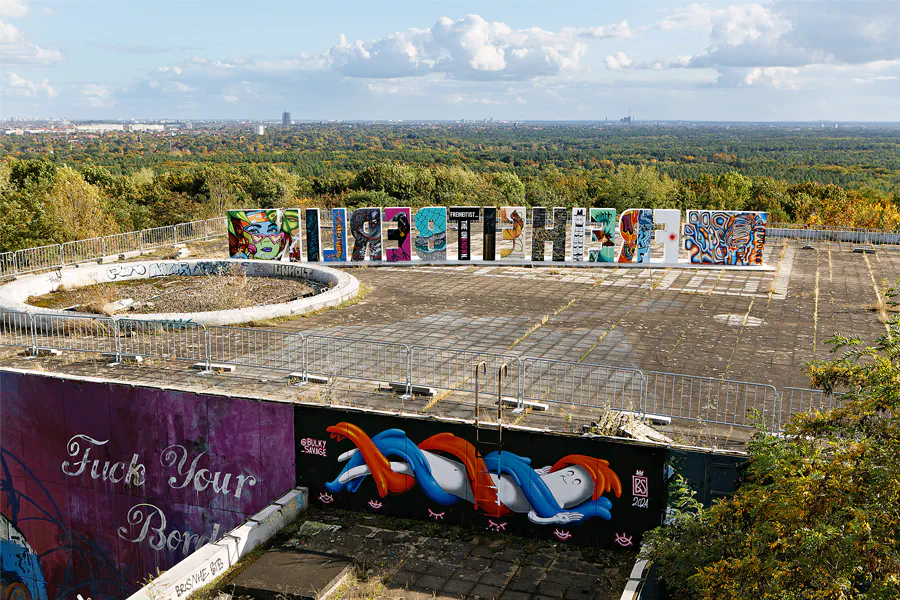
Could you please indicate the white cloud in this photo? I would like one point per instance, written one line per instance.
(776, 77)
(16, 49)
(14, 85)
(874, 79)
(618, 62)
(96, 96)
(47, 11)
(470, 48)
(751, 45)
(13, 9)
(731, 25)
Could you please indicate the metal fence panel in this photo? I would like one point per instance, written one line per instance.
(40, 258)
(83, 251)
(15, 329)
(8, 268)
(582, 384)
(256, 348)
(449, 369)
(122, 243)
(74, 333)
(189, 232)
(802, 400)
(356, 359)
(158, 237)
(167, 340)
(722, 401)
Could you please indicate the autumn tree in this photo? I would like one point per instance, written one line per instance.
(818, 512)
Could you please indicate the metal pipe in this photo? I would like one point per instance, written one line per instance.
(483, 367)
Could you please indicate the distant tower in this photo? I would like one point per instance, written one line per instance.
(260, 130)
(286, 119)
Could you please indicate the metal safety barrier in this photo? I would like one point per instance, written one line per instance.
(352, 358)
(801, 400)
(256, 348)
(43, 258)
(582, 384)
(450, 369)
(320, 357)
(711, 400)
(166, 340)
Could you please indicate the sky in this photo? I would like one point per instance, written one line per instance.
(548, 60)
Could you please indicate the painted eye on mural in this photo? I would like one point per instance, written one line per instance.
(576, 481)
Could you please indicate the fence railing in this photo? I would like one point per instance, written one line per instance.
(43, 258)
(526, 379)
(711, 400)
(828, 233)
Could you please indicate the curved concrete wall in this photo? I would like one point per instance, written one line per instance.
(342, 287)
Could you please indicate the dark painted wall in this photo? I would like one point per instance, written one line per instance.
(575, 499)
(103, 484)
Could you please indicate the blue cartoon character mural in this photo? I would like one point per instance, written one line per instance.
(21, 577)
(448, 469)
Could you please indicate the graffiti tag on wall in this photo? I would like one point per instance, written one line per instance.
(106, 483)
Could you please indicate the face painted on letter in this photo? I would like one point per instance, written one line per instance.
(570, 486)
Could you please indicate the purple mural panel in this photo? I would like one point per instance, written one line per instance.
(233, 455)
(106, 483)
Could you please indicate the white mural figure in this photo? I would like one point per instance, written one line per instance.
(570, 491)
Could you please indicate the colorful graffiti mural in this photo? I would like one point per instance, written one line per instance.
(257, 234)
(103, 484)
(365, 227)
(399, 234)
(555, 235)
(313, 244)
(489, 234)
(636, 229)
(290, 223)
(338, 250)
(463, 217)
(431, 233)
(721, 237)
(716, 237)
(603, 235)
(579, 225)
(512, 225)
(533, 484)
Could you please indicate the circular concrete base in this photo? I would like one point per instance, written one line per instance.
(342, 287)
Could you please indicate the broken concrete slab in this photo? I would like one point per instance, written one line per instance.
(290, 574)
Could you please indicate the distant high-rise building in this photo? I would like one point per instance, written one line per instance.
(286, 119)
(260, 130)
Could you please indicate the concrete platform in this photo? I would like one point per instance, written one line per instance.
(291, 574)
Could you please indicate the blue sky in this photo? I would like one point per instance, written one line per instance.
(806, 60)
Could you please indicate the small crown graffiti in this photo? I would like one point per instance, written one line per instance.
(326, 498)
(562, 535)
(496, 526)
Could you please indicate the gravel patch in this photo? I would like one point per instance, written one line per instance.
(180, 294)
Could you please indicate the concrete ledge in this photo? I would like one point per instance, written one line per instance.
(341, 287)
(204, 565)
(510, 262)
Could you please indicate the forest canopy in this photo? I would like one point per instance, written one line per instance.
(56, 188)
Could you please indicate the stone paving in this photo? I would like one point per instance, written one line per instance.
(751, 326)
(739, 325)
(398, 558)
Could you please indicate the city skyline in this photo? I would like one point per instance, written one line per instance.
(722, 61)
